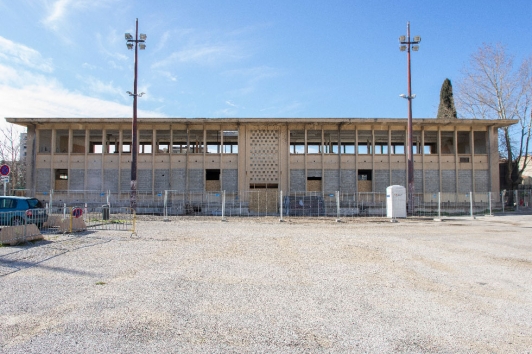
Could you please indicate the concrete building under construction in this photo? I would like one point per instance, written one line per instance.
(241, 154)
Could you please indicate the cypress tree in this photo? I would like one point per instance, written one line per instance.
(446, 109)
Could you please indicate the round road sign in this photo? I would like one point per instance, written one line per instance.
(77, 212)
(4, 170)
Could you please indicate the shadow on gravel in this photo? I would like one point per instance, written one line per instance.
(41, 251)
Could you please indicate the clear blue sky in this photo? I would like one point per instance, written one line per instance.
(243, 58)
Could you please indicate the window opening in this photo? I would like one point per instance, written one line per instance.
(364, 175)
(464, 146)
(447, 142)
(78, 141)
(196, 141)
(230, 142)
(61, 141)
(297, 141)
(365, 142)
(179, 145)
(480, 142)
(45, 141)
(162, 139)
(95, 141)
(314, 143)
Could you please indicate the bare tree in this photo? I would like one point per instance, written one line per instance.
(492, 87)
(10, 154)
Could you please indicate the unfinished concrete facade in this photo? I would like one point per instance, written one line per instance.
(239, 154)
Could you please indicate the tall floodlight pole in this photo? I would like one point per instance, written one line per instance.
(406, 45)
(137, 43)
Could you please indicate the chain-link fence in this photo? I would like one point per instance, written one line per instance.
(272, 202)
(32, 224)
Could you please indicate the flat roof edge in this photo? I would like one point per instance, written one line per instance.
(416, 121)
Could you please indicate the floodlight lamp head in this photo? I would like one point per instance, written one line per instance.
(128, 36)
(402, 95)
(402, 39)
(415, 48)
(140, 94)
(142, 46)
(402, 48)
(129, 46)
(413, 96)
(417, 39)
(130, 93)
(142, 37)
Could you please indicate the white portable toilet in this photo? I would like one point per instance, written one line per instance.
(396, 202)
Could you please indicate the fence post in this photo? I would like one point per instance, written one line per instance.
(109, 198)
(51, 200)
(223, 205)
(337, 206)
(281, 205)
(503, 197)
(471, 204)
(439, 205)
(489, 197)
(516, 200)
(165, 205)
(64, 210)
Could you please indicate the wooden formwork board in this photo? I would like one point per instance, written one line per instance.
(212, 186)
(314, 186)
(364, 186)
(263, 201)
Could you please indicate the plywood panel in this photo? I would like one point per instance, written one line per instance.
(212, 186)
(263, 201)
(364, 186)
(314, 186)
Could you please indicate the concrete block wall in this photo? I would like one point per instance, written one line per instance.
(418, 181)
(297, 181)
(465, 181)
(314, 173)
(178, 182)
(196, 180)
(162, 180)
(77, 179)
(482, 181)
(399, 178)
(144, 180)
(432, 181)
(125, 179)
(448, 184)
(381, 180)
(230, 180)
(94, 180)
(331, 181)
(43, 183)
(110, 180)
(348, 181)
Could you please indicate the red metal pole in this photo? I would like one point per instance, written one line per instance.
(410, 149)
(134, 144)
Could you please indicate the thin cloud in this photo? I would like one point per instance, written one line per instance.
(201, 54)
(254, 74)
(56, 14)
(52, 101)
(27, 94)
(19, 54)
(99, 87)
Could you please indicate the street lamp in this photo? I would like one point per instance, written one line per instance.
(137, 43)
(406, 45)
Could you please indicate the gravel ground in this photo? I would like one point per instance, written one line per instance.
(258, 285)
